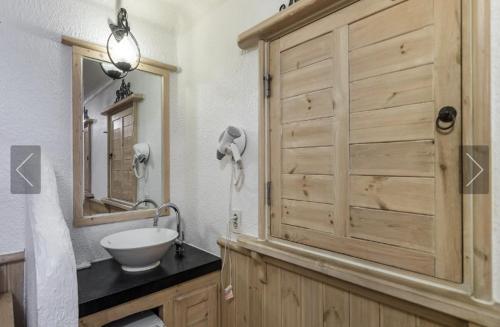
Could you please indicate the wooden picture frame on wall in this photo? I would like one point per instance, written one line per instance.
(471, 299)
(81, 50)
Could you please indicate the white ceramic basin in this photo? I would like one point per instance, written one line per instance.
(139, 249)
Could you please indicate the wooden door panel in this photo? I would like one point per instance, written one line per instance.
(314, 188)
(196, 309)
(318, 132)
(410, 86)
(317, 216)
(390, 227)
(307, 53)
(314, 160)
(406, 194)
(357, 163)
(406, 123)
(308, 106)
(308, 79)
(393, 159)
(407, 17)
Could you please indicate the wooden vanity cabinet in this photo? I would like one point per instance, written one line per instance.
(197, 308)
(357, 164)
(191, 304)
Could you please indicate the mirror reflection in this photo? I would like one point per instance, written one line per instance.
(122, 140)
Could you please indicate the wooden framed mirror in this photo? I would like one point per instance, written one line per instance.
(120, 138)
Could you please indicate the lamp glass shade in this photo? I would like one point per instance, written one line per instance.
(112, 71)
(123, 51)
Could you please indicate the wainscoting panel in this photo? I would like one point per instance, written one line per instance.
(277, 294)
(12, 281)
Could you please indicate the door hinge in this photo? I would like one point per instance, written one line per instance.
(268, 194)
(267, 85)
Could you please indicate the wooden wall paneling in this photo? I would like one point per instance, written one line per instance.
(294, 288)
(7, 310)
(255, 294)
(272, 299)
(12, 281)
(390, 317)
(227, 307)
(341, 100)
(291, 299)
(448, 73)
(364, 312)
(336, 307)
(241, 290)
(311, 302)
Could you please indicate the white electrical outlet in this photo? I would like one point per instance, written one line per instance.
(235, 221)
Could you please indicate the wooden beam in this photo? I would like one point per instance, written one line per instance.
(300, 14)
(74, 42)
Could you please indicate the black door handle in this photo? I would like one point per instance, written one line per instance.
(446, 118)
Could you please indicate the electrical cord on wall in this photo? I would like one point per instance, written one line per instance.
(237, 178)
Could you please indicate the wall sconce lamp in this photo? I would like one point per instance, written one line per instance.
(123, 49)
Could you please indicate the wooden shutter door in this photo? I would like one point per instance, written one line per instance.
(357, 163)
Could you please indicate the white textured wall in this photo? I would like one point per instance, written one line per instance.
(36, 98)
(218, 87)
(495, 151)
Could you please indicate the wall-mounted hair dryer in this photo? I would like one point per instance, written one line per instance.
(232, 142)
(141, 157)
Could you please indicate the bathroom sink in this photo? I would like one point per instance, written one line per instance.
(139, 249)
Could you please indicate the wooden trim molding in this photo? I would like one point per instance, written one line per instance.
(86, 50)
(11, 257)
(74, 42)
(300, 14)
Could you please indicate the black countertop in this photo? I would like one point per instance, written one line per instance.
(106, 285)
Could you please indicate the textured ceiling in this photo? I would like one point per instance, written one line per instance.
(170, 14)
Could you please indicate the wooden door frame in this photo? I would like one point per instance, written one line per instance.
(477, 211)
(81, 50)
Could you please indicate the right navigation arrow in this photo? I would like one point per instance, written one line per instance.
(481, 170)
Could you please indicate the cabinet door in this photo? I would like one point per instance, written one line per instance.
(358, 165)
(196, 309)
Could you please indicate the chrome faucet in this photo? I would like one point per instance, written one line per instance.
(143, 202)
(179, 242)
